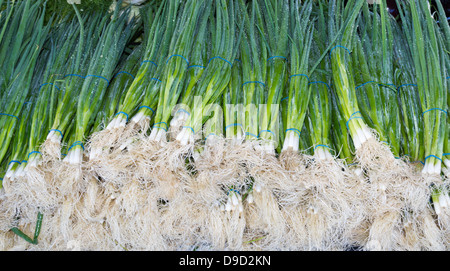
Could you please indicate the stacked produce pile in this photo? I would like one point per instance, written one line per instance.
(224, 124)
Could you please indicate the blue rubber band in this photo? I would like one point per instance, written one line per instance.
(149, 61)
(161, 123)
(297, 131)
(189, 127)
(431, 155)
(183, 110)
(233, 124)
(299, 74)
(233, 190)
(237, 60)
(265, 131)
(440, 109)
(364, 84)
(254, 82)
(123, 72)
(9, 115)
(285, 98)
(159, 127)
(73, 74)
(123, 113)
(405, 85)
(222, 59)
(196, 66)
(178, 56)
(148, 107)
(352, 117)
(322, 145)
(350, 120)
(49, 84)
(272, 57)
(14, 161)
(24, 161)
(248, 133)
(156, 79)
(209, 135)
(79, 143)
(357, 112)
(445, 154)
(340, 47)
(98, 76)
(320, 82)
(56, 130)
(32, 153)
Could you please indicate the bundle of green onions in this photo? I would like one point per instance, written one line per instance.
(225, 124)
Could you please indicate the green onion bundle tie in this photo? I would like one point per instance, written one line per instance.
(406, 85)
(149, 61)
(14, 161)
(76, 143)
(320, 82)
(98, 76)
(298, 74)
(248, 133)
(364, 84)
(322, 145)
(233, 190)
(148, 107)
(159, 127)
(178, 56)
(73, 74)
(352, 116)
(233, 124)
(254, 82)
(265, 131)
(33, 153)
(297, 131)
(9, 115)
(209, 135)
(56, 130)
(196, 66)
(272, 57)
(431, 109)
(123, 72)
(220, 58)
(48, 84)
(339, 46)
(156, 79)
(123, 113)
(431, 155)
(189, 127)
(183, 110)
(285, 98)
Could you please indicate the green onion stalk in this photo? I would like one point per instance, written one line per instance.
(175, 69)
(253, 52)
(427, 46)
(445, 29)
(343, 69)
(197, 65)
(276, 16)
(299, 91)
(215, 78)
(158, 23)
(112, 41)
(376, 93)
(409, 101)
(71, 80)
(124, 76)
(17, 77)
(61, 42)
